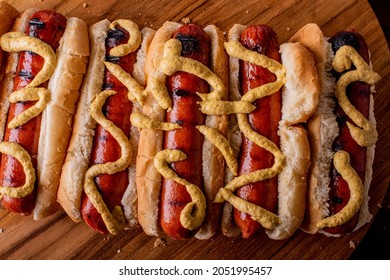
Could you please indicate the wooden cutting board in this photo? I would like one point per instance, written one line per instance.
(58, 237)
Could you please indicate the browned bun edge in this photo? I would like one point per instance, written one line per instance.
(80, 146)
(148, 179)
(77, 158)
(57, 118)
(300, 96)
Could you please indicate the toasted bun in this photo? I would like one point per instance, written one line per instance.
(148, 179)
(323, 129)
(300, 96)
(56, 125)
(80, 146)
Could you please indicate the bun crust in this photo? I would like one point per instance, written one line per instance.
(148, 179)
(56, 125)
(80, 146)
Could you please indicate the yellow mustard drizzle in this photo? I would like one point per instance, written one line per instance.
(29, 94)
(139, 120)
(266, 218)
(16, 42)
(173, 62)
(134, 40)
(218, 140)
(114, 221)
(192, 215)
(221, 107)
(235, 49)
(160, 93)
(136, 93)
(342, 164)
(365, 134)
(17, 151)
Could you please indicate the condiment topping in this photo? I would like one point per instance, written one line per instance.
(266, 218)
(218, 140)
(17, 151)
(17, 42)
(342, 164)
(226, 107)
(141, 121)
(136, 91)
(191, 217)
(134, 40)
(29, 94)
(193, 213)
(364, 133)
(114, 221)
(173, 62)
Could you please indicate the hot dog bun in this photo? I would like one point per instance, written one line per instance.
(7, 16)
(323, 129)
(148, 179)
(72, 55)
(79, 151)
(299, 100)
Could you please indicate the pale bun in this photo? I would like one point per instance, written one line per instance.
(78, 155)
(148, 179)
(300, 96)
(72, 55)
(323, 129)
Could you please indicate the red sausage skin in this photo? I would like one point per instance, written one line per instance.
(264, 120)
(185, 111)
(117, 109)
(359, 95)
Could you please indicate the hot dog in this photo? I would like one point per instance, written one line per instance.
(178, 167)
(270, 144)
(97, 181)
(342, 137)
(47, 61)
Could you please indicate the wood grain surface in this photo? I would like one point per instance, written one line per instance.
(58, 237)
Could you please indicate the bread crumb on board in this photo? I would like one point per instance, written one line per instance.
(352, 244)
(85, 4)
(118, 251)
(186, 20)
(159, 242)
(1, 230)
